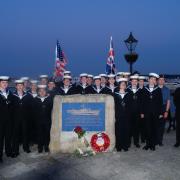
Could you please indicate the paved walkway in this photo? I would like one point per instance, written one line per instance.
(163, 164)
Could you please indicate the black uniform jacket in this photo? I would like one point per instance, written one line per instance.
(123, 106)
(5, 106)
(43, 110)
(22, 107)
(136, 105)
(152, 102)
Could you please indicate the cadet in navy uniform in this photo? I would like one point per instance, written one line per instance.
(134, 90)
(152, 110)
(26, 83)
(142, 120)
(82, 86)
(22, 110)
(111, 86)
(103, 80)
(43, 106)
(67, 87)
(166, 108)
(90, 79)
(33, 88)
(43, 79)
(96, 88)
(123, 102)
(177, 105)
(5, 120)
(51, 86)
(32, 123)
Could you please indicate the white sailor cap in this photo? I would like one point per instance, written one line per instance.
(134, 77)
(41, 86)
(43, 76)
(83, 75)
(103, 75)
(111, 76)
(90, 76)
(67, 72)
(154, 75)
(126, 73)
(67, 77)
(19, 81)
(33, 81)
(120, 74)
(25, 78)
(4, 78)
(97, 77)
(122, 80)
(142, 77)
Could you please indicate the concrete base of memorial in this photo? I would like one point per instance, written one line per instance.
(67, 141)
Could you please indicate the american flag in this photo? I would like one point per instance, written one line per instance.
(60, 61)
(110, 65)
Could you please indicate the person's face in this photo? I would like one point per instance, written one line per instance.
(97, 82)
(51, 85)
(44, 81)
(3, 84)
(66, 82)
(141, 83)
(103, 80)
(111, 81)
(152, 81)
(89, 81)
(26, 84)
(83, 80)
(42, 92)
(33, 87)
(122, 86)
(20, 87)
(161, 81)
(134, 82)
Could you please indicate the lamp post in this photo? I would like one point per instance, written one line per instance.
(131, 57)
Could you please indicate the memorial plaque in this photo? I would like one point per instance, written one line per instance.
(90, 116)
(94, 113)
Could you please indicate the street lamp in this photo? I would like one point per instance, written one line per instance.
(131, 56)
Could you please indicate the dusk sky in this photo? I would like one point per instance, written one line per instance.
(29, 30)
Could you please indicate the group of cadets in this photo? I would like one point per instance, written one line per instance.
(140, 111)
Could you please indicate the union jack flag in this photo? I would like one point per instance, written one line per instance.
(110, 65)
(60, 61)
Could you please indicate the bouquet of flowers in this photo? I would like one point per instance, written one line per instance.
(84, 149)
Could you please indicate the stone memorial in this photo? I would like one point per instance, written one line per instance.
(94, 113)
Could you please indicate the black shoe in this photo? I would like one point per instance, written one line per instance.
(177, 145)
(46, 149)
(142, 141)
(146, 147)
(137, 145)
(1, 160)
(125, 149)
(168, 130)
(153, 148)
(40, 150)
(118, 149)
(14, 155)
(28, 151)
(8, 154)
(161, 144)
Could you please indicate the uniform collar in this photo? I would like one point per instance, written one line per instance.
(148, 88)
(17, 95)
(119, 94)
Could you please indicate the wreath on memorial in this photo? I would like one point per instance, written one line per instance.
(100, 142)
(84, 148)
